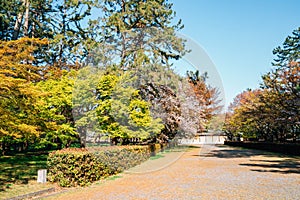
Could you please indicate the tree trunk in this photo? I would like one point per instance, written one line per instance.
(18, 22)
(26, 22)
(33, 28)
(3, 148)
(82, 132)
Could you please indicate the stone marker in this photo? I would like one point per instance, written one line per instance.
(42, 176)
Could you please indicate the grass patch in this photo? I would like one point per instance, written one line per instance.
(19, 169)
(179, 148)
(111, 178)
(157, 156)
(22, 189)
(170, 150)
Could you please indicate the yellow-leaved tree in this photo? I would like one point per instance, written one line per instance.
(18, 93)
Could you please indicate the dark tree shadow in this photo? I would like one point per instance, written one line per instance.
(284, 166)
(222, 151)
(268, 162)
(20, 168)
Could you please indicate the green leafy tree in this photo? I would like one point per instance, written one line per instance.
(55, 111)
(60, 21)
(121, 111)
(140, 32)
(139, 36)
(85, 103)
(71, 40)
(25, 18)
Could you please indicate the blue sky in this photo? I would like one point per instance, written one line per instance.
(239, 35)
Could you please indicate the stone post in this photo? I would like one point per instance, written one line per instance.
(42, 176)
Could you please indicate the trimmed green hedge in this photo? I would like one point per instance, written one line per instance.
(117, 160)
(80, 167)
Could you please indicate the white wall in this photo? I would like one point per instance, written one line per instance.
(207, 139)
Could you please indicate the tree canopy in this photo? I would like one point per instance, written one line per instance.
(68, 77)
(271, 113)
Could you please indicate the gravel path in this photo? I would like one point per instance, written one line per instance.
(206, 172)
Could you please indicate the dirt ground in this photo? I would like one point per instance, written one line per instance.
(204, 172)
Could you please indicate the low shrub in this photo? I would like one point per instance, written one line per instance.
(80, 167)
(118, 160)
(74, 167)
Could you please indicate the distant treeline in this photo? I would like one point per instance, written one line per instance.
(272, 112)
